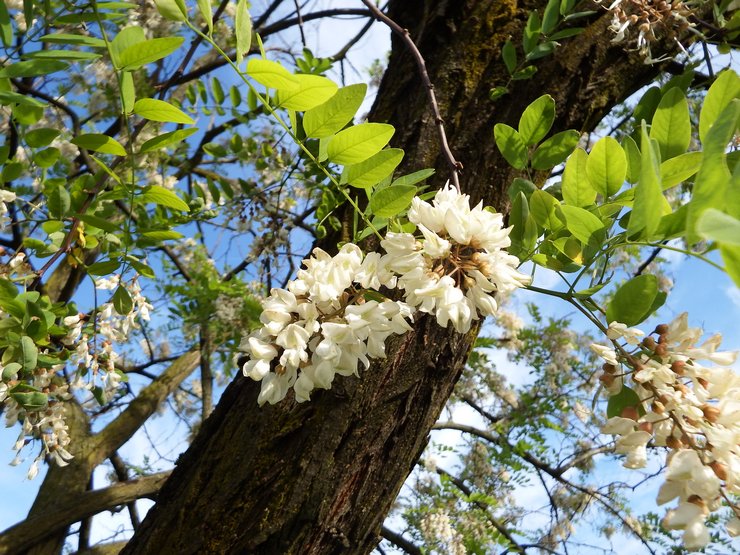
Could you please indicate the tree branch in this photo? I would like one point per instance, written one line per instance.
(120, 430)
(31, 531)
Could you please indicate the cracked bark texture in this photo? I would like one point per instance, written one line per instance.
(319, 477)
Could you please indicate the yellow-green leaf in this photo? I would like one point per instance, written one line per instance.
(271, 74)
(374, 169)
(164, 197)
(335, 113)
(312, 91)
(98, 142)
(159, 110)
(359, 143)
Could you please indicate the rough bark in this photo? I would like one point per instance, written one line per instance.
(319, 477)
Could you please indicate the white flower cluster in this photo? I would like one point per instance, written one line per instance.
(691, 408)
(48, 425)
(646, 21)
(321, 325)
(328, 320)
(437, 530)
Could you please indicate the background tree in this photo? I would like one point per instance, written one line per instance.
(316, 477)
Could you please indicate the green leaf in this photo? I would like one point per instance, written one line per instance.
(524, 228)
(632, 154)
(10, 97)
(525, 73)
(159, 110)
(511, 145)
(312, 91)
(391, 201)
(63, 55)
(358, 143)
(671, 124)
(649, 204)
(414, 178)
(550, 16)
(103, 268)
(100, 223)
(142, 53)
(712, 182)
(724, 89)
(626, 398)
(606, 167)
(633, 301)
(555, 150)
(174, 10)
(577, 190)
(218, 91)
(98, 142)
(542, 207)
(373, 170)
(162, 235)
(167, 139)
(720, 227)
(679, 168)
(243, 31)
(164, 197)
(531, 32)
(128, 92)
(77, 40)
(581, 223)
(335, 113)
(520, 185)
(647, 105)
(508, 53)
(29, 354)
(6, 27)
(271, 74)
(128, 36)
(58, 201)
(30, 400)
(537, 120)
(541, 50)
(206, 10)
(37, 138)
(122, 302)
(32, 68)
(731, 258)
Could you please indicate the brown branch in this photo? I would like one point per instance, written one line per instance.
(120, 430)
(30, 532)
(119, 467)
(455, 166)
(399, 541)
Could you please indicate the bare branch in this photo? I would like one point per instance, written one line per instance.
(31, 531)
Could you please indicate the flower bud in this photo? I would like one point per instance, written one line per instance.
(630, 412)
(711, 413)
(645, 427)
(678, 367)
(720, 469)
(649, 343)
(673, 442)
(661, 329)
(657, 407)
(609, 368)
(607, 379)
(661, 350)
(698, 501)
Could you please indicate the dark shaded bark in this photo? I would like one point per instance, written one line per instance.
(319, 477)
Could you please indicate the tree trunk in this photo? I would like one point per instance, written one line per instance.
(319, 477)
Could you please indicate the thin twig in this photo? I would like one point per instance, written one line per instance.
(455, 166)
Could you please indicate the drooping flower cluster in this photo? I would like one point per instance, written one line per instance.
(691, 408)
(646, 21)
(330, 319)
(320, 326)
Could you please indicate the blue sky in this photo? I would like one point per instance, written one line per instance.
(706, 293)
